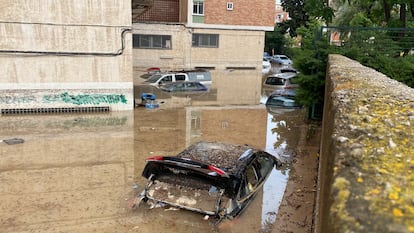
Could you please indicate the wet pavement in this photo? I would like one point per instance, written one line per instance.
(79, 172)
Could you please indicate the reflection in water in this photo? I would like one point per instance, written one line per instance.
(273, 191)
(70, 174)
(275, 186)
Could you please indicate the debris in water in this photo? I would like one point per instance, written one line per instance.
(13, 141)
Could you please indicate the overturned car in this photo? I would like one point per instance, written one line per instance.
(215, 179)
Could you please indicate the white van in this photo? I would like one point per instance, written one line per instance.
(201, 76)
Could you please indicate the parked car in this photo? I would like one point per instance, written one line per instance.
(266, 66)
(184, 87)
(281, 59)
(215, 179)
(266, 56)
(281, 81)
(285, 99)
(288, 70)
(202, 76)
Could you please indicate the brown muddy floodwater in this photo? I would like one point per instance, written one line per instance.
(78, 173)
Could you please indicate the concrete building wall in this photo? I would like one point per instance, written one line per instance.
(166, 59)
(65, 54)
(235, 67)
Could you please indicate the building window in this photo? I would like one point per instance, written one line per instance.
(151, 41)
(229, 6)
(198, 7)
(206, 40)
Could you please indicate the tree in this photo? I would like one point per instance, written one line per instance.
(301, 11)
(275, 41)
(391, 13)
(297, 13)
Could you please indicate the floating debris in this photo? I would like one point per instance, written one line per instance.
(13, 141)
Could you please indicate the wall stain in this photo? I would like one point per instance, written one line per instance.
(17, 99)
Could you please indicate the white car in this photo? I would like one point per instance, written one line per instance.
(281, 59)
(282, 81)
(266, 66)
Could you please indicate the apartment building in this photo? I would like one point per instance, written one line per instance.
(280, 14)
(226, 37)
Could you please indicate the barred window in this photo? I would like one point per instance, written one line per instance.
(206, 40)
(151, 41)
(198, 8)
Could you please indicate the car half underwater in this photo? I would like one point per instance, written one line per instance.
(214, 179)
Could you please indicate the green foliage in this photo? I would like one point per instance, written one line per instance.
(380, 50)
(386, 13)
(311, 63)
(360, 20)
(384, 51)
(299, 17)
(319, 9)
(275, 41)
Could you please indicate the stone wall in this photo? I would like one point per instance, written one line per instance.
(366, 173)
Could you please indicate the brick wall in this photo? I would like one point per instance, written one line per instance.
(245, 12)
(162, 11)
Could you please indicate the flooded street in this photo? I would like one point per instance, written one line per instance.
(81, 172)
(78, 173)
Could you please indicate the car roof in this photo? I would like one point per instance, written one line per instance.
(228, 157)
(178, 82)
(287, 75)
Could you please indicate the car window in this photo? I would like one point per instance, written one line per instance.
(180, 77)
(275, 81)
(250, 182)
(275, 101)
(153, 78)
(167, 79)
(191, 86)
(179, 87)
(265, 165)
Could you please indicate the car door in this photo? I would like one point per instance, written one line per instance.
(255, 175)
(166, 79)
(249, 184)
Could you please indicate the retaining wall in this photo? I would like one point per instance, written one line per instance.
(366, 172)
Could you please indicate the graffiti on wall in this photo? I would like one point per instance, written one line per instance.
(17, 99)
(85, 98)
(67, 98)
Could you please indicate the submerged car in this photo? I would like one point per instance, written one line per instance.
(286, 101)
(281, 59)
(211, 178)
(266, 66)
(281, 100)
(281, 81)
(184, 87)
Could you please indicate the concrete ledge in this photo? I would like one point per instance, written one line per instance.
(366, 170)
